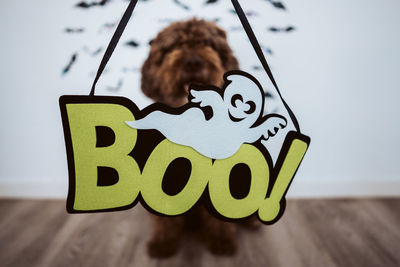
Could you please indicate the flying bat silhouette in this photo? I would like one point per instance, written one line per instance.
(182, 5)
(92, 4)
(277, 4)
(70, 63)
(132, 43)
(211, 2)
(277, 29)
(74, 30)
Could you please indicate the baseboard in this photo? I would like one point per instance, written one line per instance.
(299, 189)
(25, 189)
(343, 189)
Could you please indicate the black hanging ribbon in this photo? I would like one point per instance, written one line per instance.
(114, 41)
(246, 25)
(260, 55)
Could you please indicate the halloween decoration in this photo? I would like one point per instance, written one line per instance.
(118, 155)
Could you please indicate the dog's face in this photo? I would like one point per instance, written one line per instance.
(244, 100)
(189, 52)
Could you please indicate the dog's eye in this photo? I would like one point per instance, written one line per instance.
(234, 98)
(252, 107)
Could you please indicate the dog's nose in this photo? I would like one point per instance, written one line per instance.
(193, 63)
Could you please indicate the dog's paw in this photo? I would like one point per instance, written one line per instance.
(161, 249)
(222, 246)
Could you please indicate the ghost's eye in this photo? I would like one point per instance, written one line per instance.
(252, 107)
(234, 98)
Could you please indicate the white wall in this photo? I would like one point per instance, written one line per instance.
(339, 72)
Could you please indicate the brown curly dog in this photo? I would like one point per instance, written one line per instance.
(189, 52)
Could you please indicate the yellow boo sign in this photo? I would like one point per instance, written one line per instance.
(113, 166)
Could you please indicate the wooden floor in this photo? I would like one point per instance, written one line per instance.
(361, 232)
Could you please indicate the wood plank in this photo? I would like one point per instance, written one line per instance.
(29, 236)
(317, 232)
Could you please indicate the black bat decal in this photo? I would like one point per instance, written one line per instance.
(86, 5)
(74, 30)
(132, 43)
(182, 5)
(277, 29)
(277, 4)
(70, 63)
(290, 28)
(273, 29)
(268, 94)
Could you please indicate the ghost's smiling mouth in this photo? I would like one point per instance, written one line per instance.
(234, 118)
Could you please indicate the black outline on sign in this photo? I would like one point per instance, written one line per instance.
(138, 114)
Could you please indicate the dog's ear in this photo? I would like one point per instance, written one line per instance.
(220, 44)
(149, 88)
(163, 43)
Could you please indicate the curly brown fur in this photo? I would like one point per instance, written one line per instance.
(193, 51)
(188, 52)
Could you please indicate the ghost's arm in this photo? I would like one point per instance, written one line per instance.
(271, 125)
(153, 120)
(206, 98)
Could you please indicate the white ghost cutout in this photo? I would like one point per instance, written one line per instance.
(236, 118)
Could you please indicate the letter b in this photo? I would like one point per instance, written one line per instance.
(86, 158)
